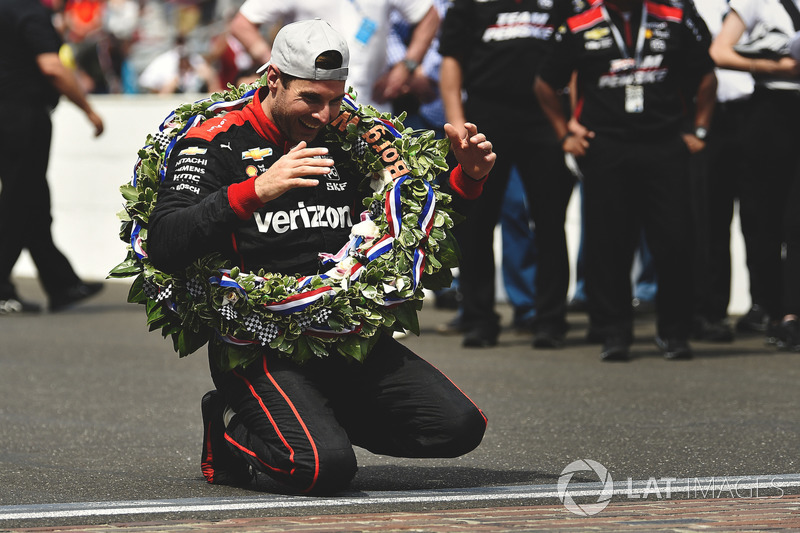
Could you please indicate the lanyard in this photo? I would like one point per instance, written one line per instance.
(621, 42)
(357, 7)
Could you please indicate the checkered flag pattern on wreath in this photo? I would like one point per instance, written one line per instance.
(304, 321)
(322, 316)
(155, 292)
(195, 288)
(150, 289)
(361, 147)
(161, 139)
(375, 209)
(165, 293)
(228, 312)
(253, 324)
(268, 334)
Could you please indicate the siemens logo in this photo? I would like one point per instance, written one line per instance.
(312, 216)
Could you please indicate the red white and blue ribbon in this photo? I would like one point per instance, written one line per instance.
(305, 281)
(226, 281)
(136, 240)
(381, 246)
(349, 102)
(298, 302)
(394, 213)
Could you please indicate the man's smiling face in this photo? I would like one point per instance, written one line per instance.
(302, 108)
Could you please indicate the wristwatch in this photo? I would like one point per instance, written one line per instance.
(701, 133)
(410, 64)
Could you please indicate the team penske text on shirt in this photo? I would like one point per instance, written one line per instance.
(620, 74)
(519, 25)
(312, 216)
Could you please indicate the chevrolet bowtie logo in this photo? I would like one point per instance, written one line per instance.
(193, 150)
(257, 154)
(597, 33)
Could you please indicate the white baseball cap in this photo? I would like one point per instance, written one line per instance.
(298, 45)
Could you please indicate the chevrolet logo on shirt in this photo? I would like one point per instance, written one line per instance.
(257, 154)
(597, 34)
(193, 150)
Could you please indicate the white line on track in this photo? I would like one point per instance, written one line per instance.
(770, 485)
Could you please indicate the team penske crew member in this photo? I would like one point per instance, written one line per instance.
(492, 50)
(258, 187)
(639, 64)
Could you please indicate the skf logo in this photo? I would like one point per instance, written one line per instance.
(193, 150)
(596, 34)
(337, 186)
(257, 154)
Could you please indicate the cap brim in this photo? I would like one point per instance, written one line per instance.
(263, 67)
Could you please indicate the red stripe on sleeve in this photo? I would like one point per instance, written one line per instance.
(465, 186)
(243, 199)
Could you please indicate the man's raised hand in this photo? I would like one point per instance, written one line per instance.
(292, 171)
(472, 150)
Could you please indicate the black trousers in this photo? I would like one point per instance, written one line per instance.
(718, 173)
(769, 200)
(791, 265)
(298, 424)
(531, 146)
(25, 219)
(628, 186)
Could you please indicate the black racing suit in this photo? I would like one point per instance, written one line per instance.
(636, 168)
(298, 423)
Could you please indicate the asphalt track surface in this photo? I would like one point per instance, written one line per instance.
(100, 423)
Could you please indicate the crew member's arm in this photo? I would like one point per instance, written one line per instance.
(557, 72)
(573, 140)
(65, 83)
(725, 56)
(250, 36)
(450, 86)
(699, 66)
(552, 106)
(391, 85)
(456, 43)
(704, 108)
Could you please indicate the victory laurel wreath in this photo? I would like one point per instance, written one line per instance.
(375, 282)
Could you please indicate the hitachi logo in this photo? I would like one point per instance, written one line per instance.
(312, 216)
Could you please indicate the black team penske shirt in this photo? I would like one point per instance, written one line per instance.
(637, 72)
(500, 45)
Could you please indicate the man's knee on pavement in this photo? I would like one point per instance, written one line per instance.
(466, 433)
(453, 436)
(336, 469)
